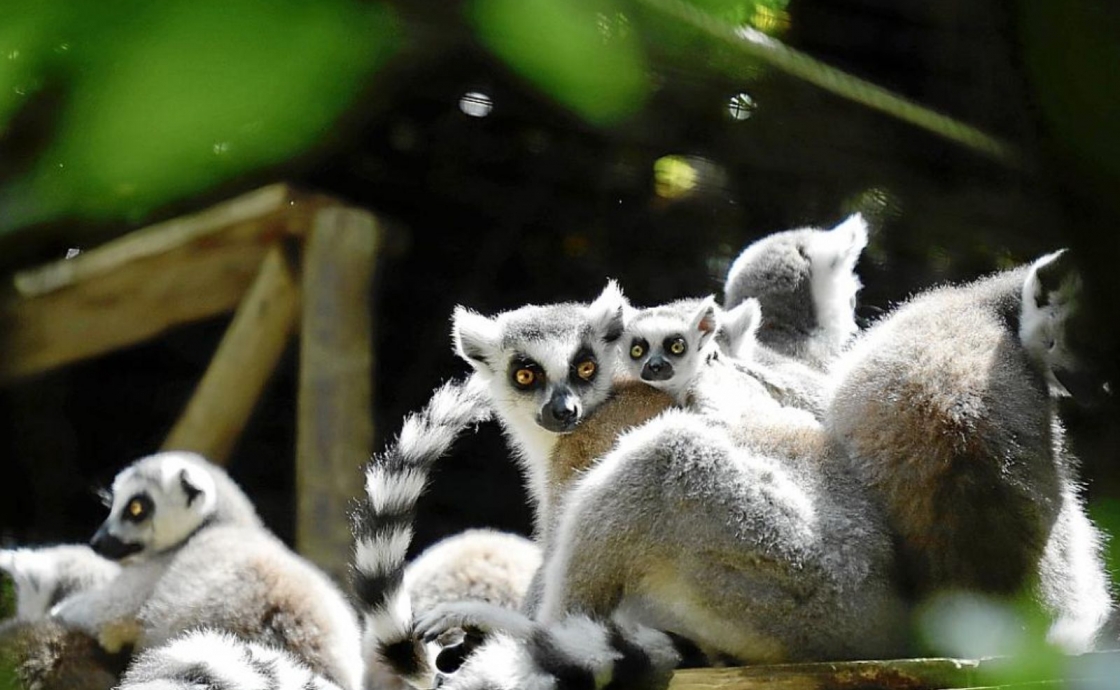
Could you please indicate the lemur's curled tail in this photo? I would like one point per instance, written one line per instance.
(216, 659)
(382, 524)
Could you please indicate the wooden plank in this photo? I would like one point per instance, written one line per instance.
(905, 674)
(242, 364)
(901, 674)
(142, 284)
(335, 432)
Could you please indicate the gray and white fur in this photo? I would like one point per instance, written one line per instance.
(214, 659)
(383, 526)
(804, 280)
(946, 405)
(44, 576)
(193, 553)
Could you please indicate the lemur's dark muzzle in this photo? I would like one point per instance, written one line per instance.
(657, 369)
(561, 412)
(105, 544)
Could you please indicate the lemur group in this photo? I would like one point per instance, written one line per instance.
(756, 481)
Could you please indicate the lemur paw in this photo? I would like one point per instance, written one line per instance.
(116, 635)
(475, 617)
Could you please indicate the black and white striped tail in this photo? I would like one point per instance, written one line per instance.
(577, 653)
(383, 523)
(219, 661)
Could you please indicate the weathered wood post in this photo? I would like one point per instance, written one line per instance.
(241, 366)
(335, 433)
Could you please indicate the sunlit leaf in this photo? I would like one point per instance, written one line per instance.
(576, 51)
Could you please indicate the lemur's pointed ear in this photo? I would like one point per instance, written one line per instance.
(705, 320)
(608, 311)
(189, 488)
(1048, 275)
(475, 337)
(740, 326)
(841, 246)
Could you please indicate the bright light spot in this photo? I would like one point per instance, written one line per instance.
(673, 177)
(677, 176)
(72, 252)
(476, 104)
(770, 20)
(62, 48)
(221, 148)
(14, 55)
(741, 106)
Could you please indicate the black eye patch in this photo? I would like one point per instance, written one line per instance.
(583, 367)
(138, 508)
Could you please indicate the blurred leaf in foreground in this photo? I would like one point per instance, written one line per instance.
(169, 98)
(579, 52)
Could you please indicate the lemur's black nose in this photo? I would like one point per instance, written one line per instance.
(560, 413)
(657, 369)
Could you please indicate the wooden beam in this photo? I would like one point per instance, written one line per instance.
(335, 429)
(900, 674)
(242, 364)
(911, 674)
(142, 284)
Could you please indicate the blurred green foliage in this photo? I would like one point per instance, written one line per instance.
(578, 51)
(154, 102)
(162, 100)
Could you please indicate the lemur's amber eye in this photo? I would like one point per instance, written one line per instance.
(524, 377)
(677, 346)
(586, 369)
(138, 508)
(636, 351)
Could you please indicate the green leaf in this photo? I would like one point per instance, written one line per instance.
(579, 52)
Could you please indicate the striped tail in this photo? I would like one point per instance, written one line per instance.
(213, 659)
(576, 653)
(382, 524)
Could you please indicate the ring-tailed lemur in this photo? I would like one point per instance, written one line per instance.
(218, 660)
(665, 346)
(946, 406)
(806, 284)
(45, 576)
(794, 560)
(194, 553)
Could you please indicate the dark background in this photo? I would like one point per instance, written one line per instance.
(533, 204)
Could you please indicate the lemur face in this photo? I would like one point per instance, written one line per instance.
(664, 346)
(551, 365)
(157, 502)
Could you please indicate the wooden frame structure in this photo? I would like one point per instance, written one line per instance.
(286, 262)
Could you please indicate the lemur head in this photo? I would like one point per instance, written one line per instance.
(549, 365)
(157, 503)
(1056, 332)
(804, 279)
(664, 346)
